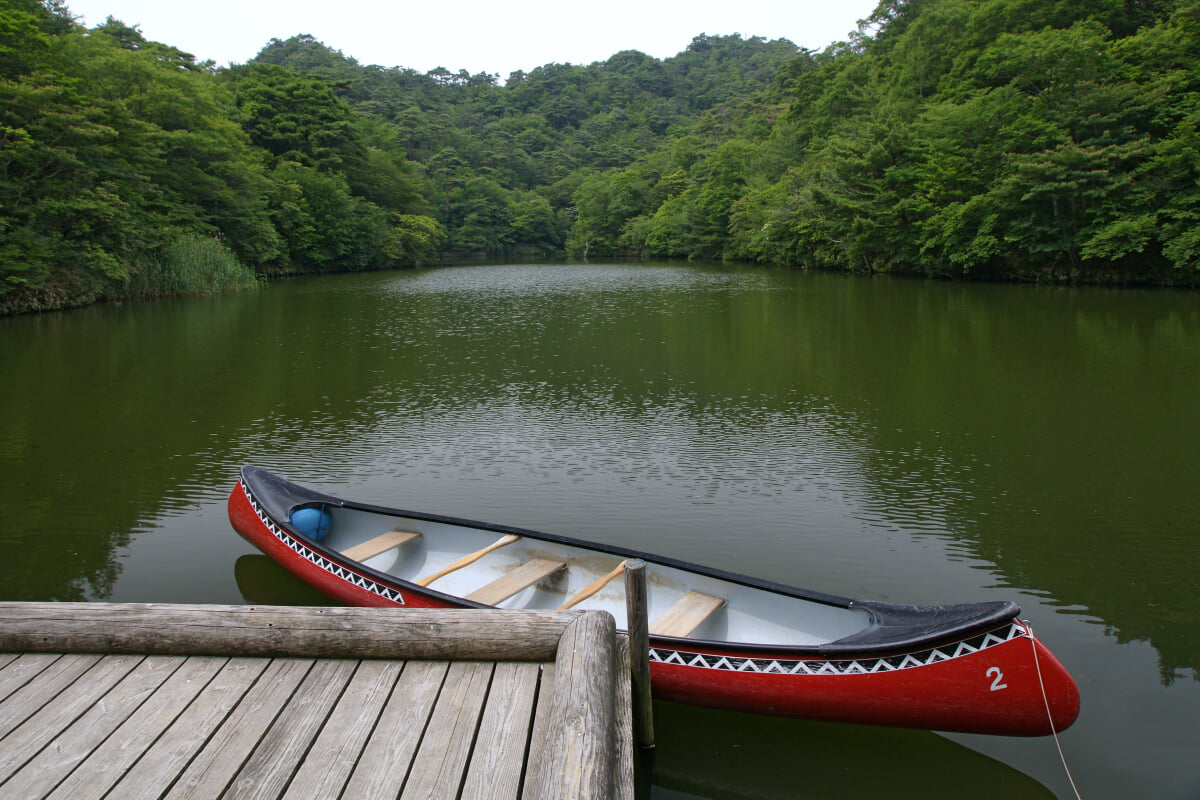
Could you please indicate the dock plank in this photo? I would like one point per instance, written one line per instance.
(20, 671)
(623, 770)
(41, 688)
(52, 718)
(105, 765)
(441, 761)
(498, 759)
(542, 720)
(328, 765)
(223, 755)
(174, 750)
(389, 754)
(63, 754)
(271, 766)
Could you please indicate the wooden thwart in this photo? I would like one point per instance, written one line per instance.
(380, 544)
(686, 615)
(467, 560)
(520, 578)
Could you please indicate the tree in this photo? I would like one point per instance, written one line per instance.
(296, 118)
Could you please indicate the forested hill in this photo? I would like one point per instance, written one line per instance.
(502, 164)
(1026, 139)
(992, 139)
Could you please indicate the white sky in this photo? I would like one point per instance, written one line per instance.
(475, 35)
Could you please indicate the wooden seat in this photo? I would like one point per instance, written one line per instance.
(686, 615)
(520, 578)
(380, 544)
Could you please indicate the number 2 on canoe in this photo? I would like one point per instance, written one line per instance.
(997, 676)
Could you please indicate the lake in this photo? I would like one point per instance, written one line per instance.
(897, 440)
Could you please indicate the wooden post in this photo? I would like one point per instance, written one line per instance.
(639, 652)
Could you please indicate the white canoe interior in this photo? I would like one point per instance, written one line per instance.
(524, 573)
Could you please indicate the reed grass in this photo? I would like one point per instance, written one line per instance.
(190, 266)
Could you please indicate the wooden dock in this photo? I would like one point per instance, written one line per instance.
(167, 701)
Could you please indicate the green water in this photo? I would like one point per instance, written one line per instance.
(899, 440)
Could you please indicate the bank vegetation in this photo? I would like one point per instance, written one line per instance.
(979, 139)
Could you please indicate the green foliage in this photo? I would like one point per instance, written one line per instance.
(295, 117)
(190, 265)
(995, 139)
(501, 164)
(1016, 140)
(414, 239)
(1026, 139)
(111, 146)
(23, 43)
(114, 149)
(117, 152)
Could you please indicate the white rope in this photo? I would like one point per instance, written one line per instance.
(1049, 716)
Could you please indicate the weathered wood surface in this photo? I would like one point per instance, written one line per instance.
(106, 763)
(328, 765)
(441, 760)
(638, 645)
(579, 732)
(270, 768)
(136, 726)
(54, 713)
(100, 718)
(498, 763)
(183, 739)
(222, 756)
(278, 631)
(383, 766)
(20, 669)
(623, 734)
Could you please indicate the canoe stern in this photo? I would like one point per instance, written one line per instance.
(992, 684)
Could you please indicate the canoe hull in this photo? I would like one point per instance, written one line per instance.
(996, 689)
(991, 682)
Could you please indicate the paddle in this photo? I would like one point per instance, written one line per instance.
(467, 560)
(592, 588)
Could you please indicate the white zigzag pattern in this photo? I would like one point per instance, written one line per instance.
(321, 561)
(815, 667)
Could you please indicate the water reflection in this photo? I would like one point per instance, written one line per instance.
(899, 440)
(780, 759)
(262, 581)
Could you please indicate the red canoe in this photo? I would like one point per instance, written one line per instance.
(716, 639)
